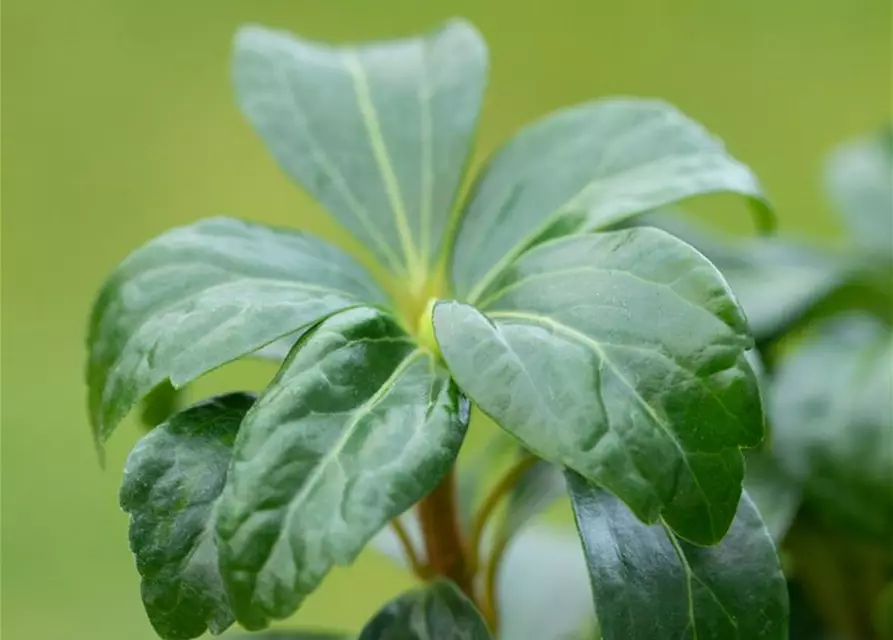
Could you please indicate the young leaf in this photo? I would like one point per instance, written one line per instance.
(437, 611)
(172, 480)
(588, 168)
(378, 133)
(860, 180)
(202, 295)
(359, 424)
(622, 356)
(832, 411)
(649, 584)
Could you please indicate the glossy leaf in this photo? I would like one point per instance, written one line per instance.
(172, 480)
(437, 611)
(649, 584)
(620, 355)
(202, 295)
(378, 133)
(358, 425)
(588, 168)
(859, 176)
(832, 412)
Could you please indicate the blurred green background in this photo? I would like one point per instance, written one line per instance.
(118, 122)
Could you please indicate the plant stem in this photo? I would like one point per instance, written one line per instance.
(490, 608)
(412, 557)
(490, 503)
(445, 552)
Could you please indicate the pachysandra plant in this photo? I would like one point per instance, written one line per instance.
(618, 356)
(823, 322)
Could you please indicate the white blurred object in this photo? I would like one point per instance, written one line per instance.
(544, 591)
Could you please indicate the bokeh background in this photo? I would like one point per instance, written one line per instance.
(118, 122)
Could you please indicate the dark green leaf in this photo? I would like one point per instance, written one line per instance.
(172, 480)
(832, 415)
(622, 356)
(200, 296)
(649, 584)
(378, 133)
(437, 611)
(358, 425)
(588, 167)
(860, 179)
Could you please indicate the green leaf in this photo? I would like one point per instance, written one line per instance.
(649, 584)
(172, 481)
(588, 168)
(437, 611)
(379, 133)
(358, 425)
(859, 177)
(620, 355)
(832, 416)
(202, 295)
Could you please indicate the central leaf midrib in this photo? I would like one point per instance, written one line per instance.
(332, 171)
(382, 159)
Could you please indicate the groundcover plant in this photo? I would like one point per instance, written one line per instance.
(823, 322)
(620, 357)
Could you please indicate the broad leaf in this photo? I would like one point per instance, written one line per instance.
(832, 413)
(172, 481)
(588, 168)
(378, 133)
(202, 295)
(859, 176)
(649, 584)
(358, 425)
(620, 355)
(437, 611)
